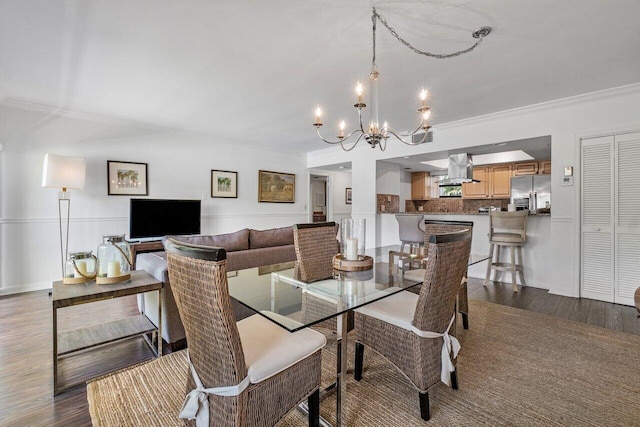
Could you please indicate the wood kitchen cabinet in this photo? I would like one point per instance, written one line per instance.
(420, 186)
(525, 168)
(544, 167)
(500, 181)
(477, 190)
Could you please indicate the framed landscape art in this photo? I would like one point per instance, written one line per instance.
(127, 178)
(224, 184)
(276, 187)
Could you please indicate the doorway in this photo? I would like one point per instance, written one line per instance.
(318, 195)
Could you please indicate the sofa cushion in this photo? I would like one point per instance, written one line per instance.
(238, 241)
(273, 237)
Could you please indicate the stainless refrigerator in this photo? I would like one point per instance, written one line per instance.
(531, 191)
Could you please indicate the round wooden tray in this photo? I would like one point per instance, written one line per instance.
(112, 280)
(75, 280)
(362, 264)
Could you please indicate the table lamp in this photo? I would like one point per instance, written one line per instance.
(66, 173)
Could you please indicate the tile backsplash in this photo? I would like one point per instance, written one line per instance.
(454, 205)
(387, 203)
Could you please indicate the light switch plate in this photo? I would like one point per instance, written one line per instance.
(568, 171)
(567, 180)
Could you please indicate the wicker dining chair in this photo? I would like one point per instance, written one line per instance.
(258, 370)
(398, 327)
(442, 226)
(315, 246)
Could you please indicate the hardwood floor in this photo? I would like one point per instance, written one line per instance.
(26, 384)
(598, 313)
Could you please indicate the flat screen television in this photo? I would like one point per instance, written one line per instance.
(151, 218)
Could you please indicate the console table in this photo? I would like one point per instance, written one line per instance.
(67, 343)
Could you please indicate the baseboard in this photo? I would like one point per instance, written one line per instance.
(30, 287)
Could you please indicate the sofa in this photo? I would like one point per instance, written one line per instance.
(246, 248)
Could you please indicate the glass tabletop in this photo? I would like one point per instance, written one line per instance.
(274, 291)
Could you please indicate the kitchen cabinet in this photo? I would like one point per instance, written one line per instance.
(477, 190)
(500, 181)
(544, 167)
(420, 186)
(525, 168)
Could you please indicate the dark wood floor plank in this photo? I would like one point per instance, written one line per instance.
(597, 313)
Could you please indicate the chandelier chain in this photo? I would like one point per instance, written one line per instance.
(384, 22)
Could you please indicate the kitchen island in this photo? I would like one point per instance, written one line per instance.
(536, 252)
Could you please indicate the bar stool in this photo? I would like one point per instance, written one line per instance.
(411, 231)
(507, 229)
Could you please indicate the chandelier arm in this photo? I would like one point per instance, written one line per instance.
(360, 120)
(418, 51)
(354, 144)
(339, 141)
(420, 126)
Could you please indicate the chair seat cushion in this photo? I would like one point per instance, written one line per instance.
(270, 349)
(398, 309)
(506, 238)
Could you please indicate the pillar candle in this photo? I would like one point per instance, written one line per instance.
(113, 270)
(352, 249)
(81, 268)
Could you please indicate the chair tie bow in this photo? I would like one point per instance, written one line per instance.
(196, 403)
(450, 347)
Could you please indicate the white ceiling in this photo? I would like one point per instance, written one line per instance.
(253, 71)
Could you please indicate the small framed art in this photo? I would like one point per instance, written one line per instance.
(127, 178)
(347, 196)
(224, 184)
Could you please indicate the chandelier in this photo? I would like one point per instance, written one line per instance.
(377, 135)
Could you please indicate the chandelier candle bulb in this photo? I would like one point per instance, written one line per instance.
(318, 115)
(359, 92)
(342, 126)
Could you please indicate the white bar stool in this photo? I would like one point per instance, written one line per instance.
(507, 229)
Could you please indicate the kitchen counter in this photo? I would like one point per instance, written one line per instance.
(463, 213)
(536, 251)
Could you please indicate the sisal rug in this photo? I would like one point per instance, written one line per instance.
(515, 368)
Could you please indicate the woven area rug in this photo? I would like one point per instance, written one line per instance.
(515, 368)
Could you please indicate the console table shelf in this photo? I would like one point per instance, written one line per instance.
(83, 338)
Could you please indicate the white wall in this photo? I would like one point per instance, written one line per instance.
(179, 166)
(565, 120)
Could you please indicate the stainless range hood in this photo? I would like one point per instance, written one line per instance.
(460, 170)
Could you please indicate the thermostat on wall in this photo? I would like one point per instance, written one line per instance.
(568, 171)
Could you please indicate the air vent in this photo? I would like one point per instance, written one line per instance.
(418, 137)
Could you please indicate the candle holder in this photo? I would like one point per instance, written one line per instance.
(114, 265)
(352, 246)
(352, 238)
(80, 267)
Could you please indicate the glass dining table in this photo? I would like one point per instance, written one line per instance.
(276, 293)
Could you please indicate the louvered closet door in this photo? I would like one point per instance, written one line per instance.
(627, 225)
(597, 260)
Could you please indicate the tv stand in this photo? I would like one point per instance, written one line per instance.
(141, 247)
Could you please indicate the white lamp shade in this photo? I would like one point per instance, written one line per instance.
(63, 172)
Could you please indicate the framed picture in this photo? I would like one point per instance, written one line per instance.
(224, 184)
(347, 196)
(127, 178)
(276, 187)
